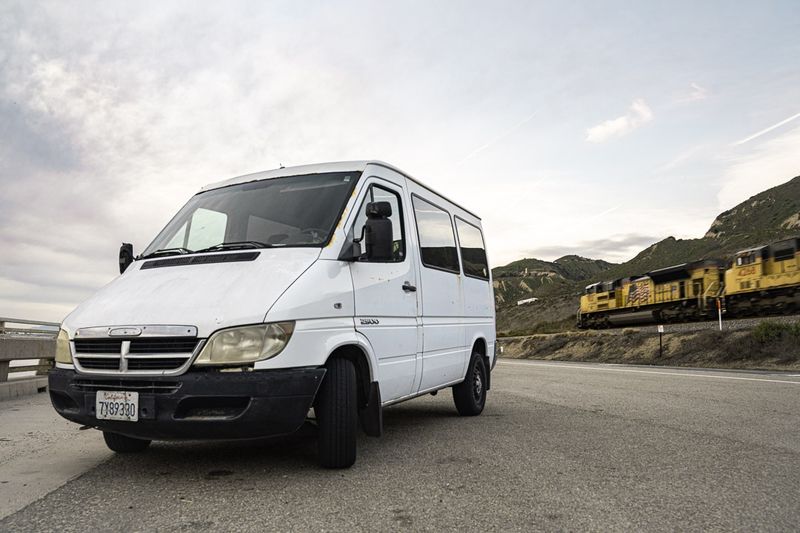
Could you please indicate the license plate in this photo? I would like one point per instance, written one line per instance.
(117, 405)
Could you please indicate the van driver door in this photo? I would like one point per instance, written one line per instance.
(386, 299)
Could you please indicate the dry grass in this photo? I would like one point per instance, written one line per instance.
(745, 349)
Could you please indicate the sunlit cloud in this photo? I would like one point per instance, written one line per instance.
(638, 114)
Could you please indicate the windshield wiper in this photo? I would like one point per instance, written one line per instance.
(234, 245)
(166, 251)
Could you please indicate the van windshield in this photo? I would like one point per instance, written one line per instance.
(291, 211)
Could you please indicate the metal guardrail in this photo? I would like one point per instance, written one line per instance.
(24, 340)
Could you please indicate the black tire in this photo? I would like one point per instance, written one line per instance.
(123, 444)
(336, 410)
(470, 395)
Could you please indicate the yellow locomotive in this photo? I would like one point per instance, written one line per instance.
(763, 280)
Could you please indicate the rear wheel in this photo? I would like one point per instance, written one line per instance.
(336, 410)
(470, 395)
(124, 444)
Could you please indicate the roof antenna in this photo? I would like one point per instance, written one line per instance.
(281, 166)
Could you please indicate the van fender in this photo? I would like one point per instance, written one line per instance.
(370, 415)
(359, 340)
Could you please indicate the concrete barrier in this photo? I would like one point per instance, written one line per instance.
(25, 341)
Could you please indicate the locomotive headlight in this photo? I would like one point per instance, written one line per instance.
(63, 353)
(246, 344)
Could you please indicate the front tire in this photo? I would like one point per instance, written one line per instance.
(124, 444)
(336, 410)
(470, 395)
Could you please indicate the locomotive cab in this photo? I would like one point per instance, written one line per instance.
(764, 280)
(782, 257)
(747, 270)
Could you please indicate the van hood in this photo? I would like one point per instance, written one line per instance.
(209, 296)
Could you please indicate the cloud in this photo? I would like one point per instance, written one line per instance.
(765, 165)
(101, 145)
(638, 114)
(617, 248)
(697, 93)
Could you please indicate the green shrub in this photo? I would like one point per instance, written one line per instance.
(769, 332)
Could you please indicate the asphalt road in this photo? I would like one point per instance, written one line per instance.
(559, 447)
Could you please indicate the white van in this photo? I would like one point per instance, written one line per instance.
(342, 287)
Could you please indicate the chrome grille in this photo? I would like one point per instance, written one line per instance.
(146, 355)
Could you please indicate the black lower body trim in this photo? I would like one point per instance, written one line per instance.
(196, 405)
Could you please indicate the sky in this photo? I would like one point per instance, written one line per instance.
(594, 128)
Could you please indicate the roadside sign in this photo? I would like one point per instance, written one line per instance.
(660, 328)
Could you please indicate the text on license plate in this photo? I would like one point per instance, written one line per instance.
(117, 405)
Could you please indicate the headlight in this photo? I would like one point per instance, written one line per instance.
(63, 353)
(246, 344)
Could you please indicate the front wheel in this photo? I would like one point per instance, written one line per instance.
(336, 410)
(124, 444)
(470, 395)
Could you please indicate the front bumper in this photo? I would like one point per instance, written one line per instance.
(195, 405)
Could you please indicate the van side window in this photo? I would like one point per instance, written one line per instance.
(473, 251)
(377, 193)
(437, 242)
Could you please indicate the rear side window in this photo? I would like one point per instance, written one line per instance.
(473, 251)
(437, 241)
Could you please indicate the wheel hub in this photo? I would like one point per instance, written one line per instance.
(478, 385)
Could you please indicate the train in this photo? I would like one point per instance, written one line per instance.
(758, 281)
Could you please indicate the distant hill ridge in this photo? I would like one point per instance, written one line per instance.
(525, 277)
(769, 216)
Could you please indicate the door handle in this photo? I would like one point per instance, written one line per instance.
(408, 287)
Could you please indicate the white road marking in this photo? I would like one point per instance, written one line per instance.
(656, 372)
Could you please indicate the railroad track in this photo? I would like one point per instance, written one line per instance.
(727, 325)
(731, 324)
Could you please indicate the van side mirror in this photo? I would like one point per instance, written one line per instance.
(125, 256)
(378, 231)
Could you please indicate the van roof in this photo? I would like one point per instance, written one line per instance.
(337, 166)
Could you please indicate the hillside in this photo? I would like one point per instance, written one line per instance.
(534, 277)
(766, 217)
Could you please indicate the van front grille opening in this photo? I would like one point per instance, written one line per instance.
(143, 355)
